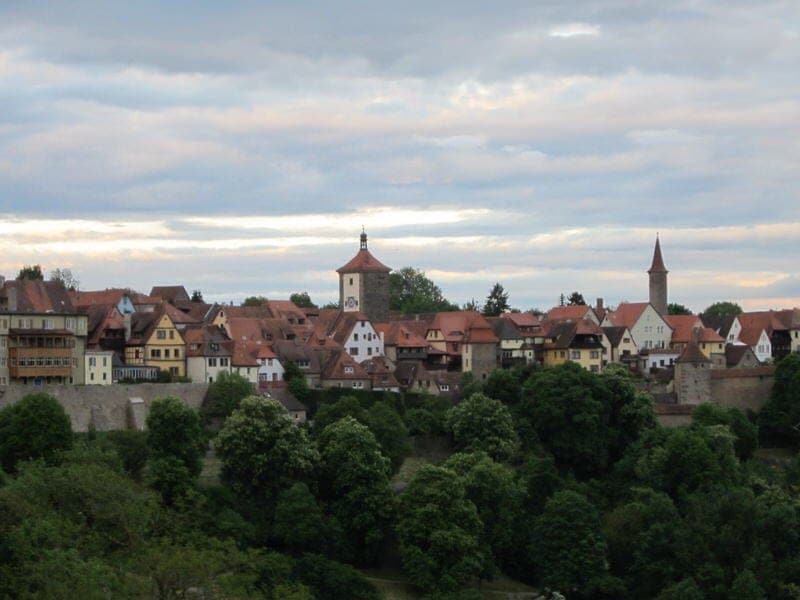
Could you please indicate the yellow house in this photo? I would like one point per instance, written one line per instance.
(156, 342)
(570, 341)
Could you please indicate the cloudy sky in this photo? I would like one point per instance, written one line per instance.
(238, 148)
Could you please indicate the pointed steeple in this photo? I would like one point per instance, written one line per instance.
(658, 260)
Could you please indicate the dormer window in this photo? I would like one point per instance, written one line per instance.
(348, 370)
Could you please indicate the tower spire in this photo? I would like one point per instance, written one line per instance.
(363, 238)
(658, 261)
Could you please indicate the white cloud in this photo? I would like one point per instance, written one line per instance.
(574, 30)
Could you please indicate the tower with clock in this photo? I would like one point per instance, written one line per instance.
(364, 285)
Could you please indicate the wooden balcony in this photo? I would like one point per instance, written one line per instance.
(36, 362)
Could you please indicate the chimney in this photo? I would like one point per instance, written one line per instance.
(599, 304)
(126, 318)
(696, 335)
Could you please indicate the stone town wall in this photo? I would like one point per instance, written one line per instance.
(745, 389)
(109, 407)
(484, 360)
(693, 383)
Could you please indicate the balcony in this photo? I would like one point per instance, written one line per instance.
(39, 362)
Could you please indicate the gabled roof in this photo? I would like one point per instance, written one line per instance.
(692, 354)
(734, 353)
(364, 262)
(340, 365)
(523, 320)
(572, 312)
(381, 371)
(100, 297)
(463, 326)
(101, 319)
(337, 324)
(627, 314)
(143, 324)
(657, 265)
(207, 340)
(573, 334)
(26, 296)
(174, 294)
(615, 334)
(790, 317)
(505, 329)
(401, 334)
(753, 323)
(683, 327)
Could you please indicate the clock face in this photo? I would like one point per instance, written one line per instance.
(350, 302)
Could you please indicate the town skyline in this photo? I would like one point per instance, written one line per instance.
(244, 146)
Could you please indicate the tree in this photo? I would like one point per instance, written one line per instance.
(576, 299)
(174, 431)
(354, 481)
(333, 305)
(330, 412)
(740, 426)
(685, 590)
(31, 273)
(254, 301)
(568, 544)
(389, 430)
(330, 580)
(496, 301)
(225, 394)
(262, 451)
(66, 278)
(299, 524)
(503, 385)
(480, 423)
(723, 309)
(35, 427)
(566, 409)
(497, 496)
(780, 415)
(439, 532)
(673, 308)
(302, 300)
(132, 448)
(197, 296)
(410, 291)
(745, 587)
(472, 306)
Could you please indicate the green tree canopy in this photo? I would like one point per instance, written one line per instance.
(225, 394)
(354, 481)
(299, 524)
(65, 277)
(254, 301)
(480, 423)
(197, 296)
(31, 272)
(35, 427)
(174, 430)
(390, 431)
(410, 291)
(439, 532)
(673, 308)
(503, 385)
(262, 451)
(496, 301)
(723, 309)
(780, 416)
(746, 432)
(302, 300)
(576, 299)
(568, 544)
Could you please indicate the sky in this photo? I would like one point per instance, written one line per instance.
(238, 148)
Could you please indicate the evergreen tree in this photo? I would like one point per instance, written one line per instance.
(496, 301)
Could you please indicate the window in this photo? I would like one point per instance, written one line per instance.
(348, 370)
(626, 340)
(91, 376)
(171, 334)
(212, 362)
(444, 387)
(594, 354)
(353, 351)
(351, 281)
(166, 352)
(575, 354)
(369, 351)
(155, 353)
(363, 324)
(355, 337)
(177, 353)
(223, 362)
(104, 376)
(161, 334)
(92, 361)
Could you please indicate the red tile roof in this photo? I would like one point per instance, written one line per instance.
(464, 326)
(28, 296)
(571, 312)
(401, 335)
(627, 314)
(683, 326)
(753, 323)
